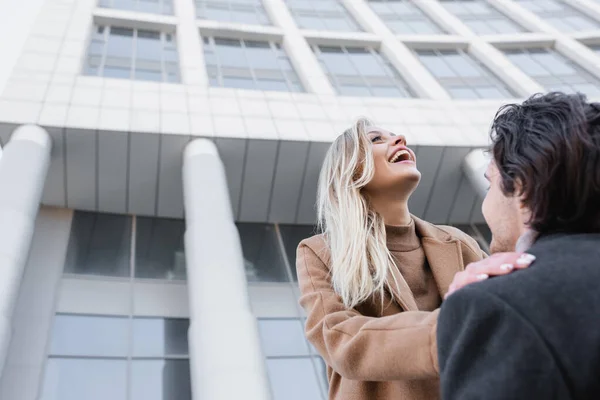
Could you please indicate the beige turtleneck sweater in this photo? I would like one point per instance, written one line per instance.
(405, 247)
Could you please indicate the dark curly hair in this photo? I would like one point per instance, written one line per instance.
(548, 150)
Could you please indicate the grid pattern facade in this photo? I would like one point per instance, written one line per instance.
(481, 17)
(126, 53)
(355, 71)
(240, 11)
(323, 15)
(561, 15)
(253, 62)
(404, 17)
(146, 6)
(554, 71)
(249, 64)
(462, 76)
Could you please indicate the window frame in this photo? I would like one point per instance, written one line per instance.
(101, 34)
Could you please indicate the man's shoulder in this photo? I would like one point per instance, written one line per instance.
(567, 265)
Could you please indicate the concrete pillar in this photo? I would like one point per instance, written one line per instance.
(226, 360)
(474, 166)
(189, 46)
(23, 168)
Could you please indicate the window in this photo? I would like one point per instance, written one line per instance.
(97, 358)
(262, 257)
(562, 16)
(126, 53)
(462, 76)
(242, 11)
(554, 71)
(159, 249)
(595, 47)
(325, 15)
(249, 64)
(292, 235)
(147, 6)
(295, 371)
(356, 71)
(404, 17)
(99, 245)
(481, 17)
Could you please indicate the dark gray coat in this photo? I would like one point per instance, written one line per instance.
(533, 334)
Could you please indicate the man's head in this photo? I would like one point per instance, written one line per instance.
(545, 171)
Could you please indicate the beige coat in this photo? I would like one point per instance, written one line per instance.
(368, 356)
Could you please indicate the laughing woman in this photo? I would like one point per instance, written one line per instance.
(373, 281)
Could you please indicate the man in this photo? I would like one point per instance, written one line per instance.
(535, 333)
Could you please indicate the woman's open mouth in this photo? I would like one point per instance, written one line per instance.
(402, 156)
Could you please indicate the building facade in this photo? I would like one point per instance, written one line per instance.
(132, 129)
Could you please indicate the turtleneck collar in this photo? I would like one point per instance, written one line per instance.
(402, 238)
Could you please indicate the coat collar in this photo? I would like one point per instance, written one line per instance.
(445, 259)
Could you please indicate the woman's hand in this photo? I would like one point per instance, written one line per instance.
(497, 264)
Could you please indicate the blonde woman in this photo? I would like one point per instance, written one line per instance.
(373, 282)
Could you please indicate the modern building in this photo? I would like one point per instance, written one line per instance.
(129, 127)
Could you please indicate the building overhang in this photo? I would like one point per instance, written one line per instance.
(269, 180)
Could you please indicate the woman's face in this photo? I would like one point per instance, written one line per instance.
(395, 164)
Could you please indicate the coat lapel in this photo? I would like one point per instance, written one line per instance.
(443, 254)
(402, 293)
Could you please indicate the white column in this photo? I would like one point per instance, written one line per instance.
(399, 55)
(474, 166)
(23, 168)
(225, 355)
(189, 45)
(301, 55)
(518, 81)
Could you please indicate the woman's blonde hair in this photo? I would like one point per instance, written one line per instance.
(355, 233)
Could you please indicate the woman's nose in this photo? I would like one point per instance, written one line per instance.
(400, 139)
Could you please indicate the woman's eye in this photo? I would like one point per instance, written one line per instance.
(375, 139)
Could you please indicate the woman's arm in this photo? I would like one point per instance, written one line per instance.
(401, 346)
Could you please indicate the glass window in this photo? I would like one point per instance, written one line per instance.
(89, 379)
(75, 335)
(147, 6)
(481, 16)
(99, 244)
(293, 379)
(262, 259)
(159, 248)
(160, 380)
(249, 64)
(158, 337)
(562, 16)
(282, 337)
(126, 53)
(404, 17)
(98, 358)
(242, 11)
(462, 75)
(360, 71)
(328, 15)
(554, 71)
(292, 235)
